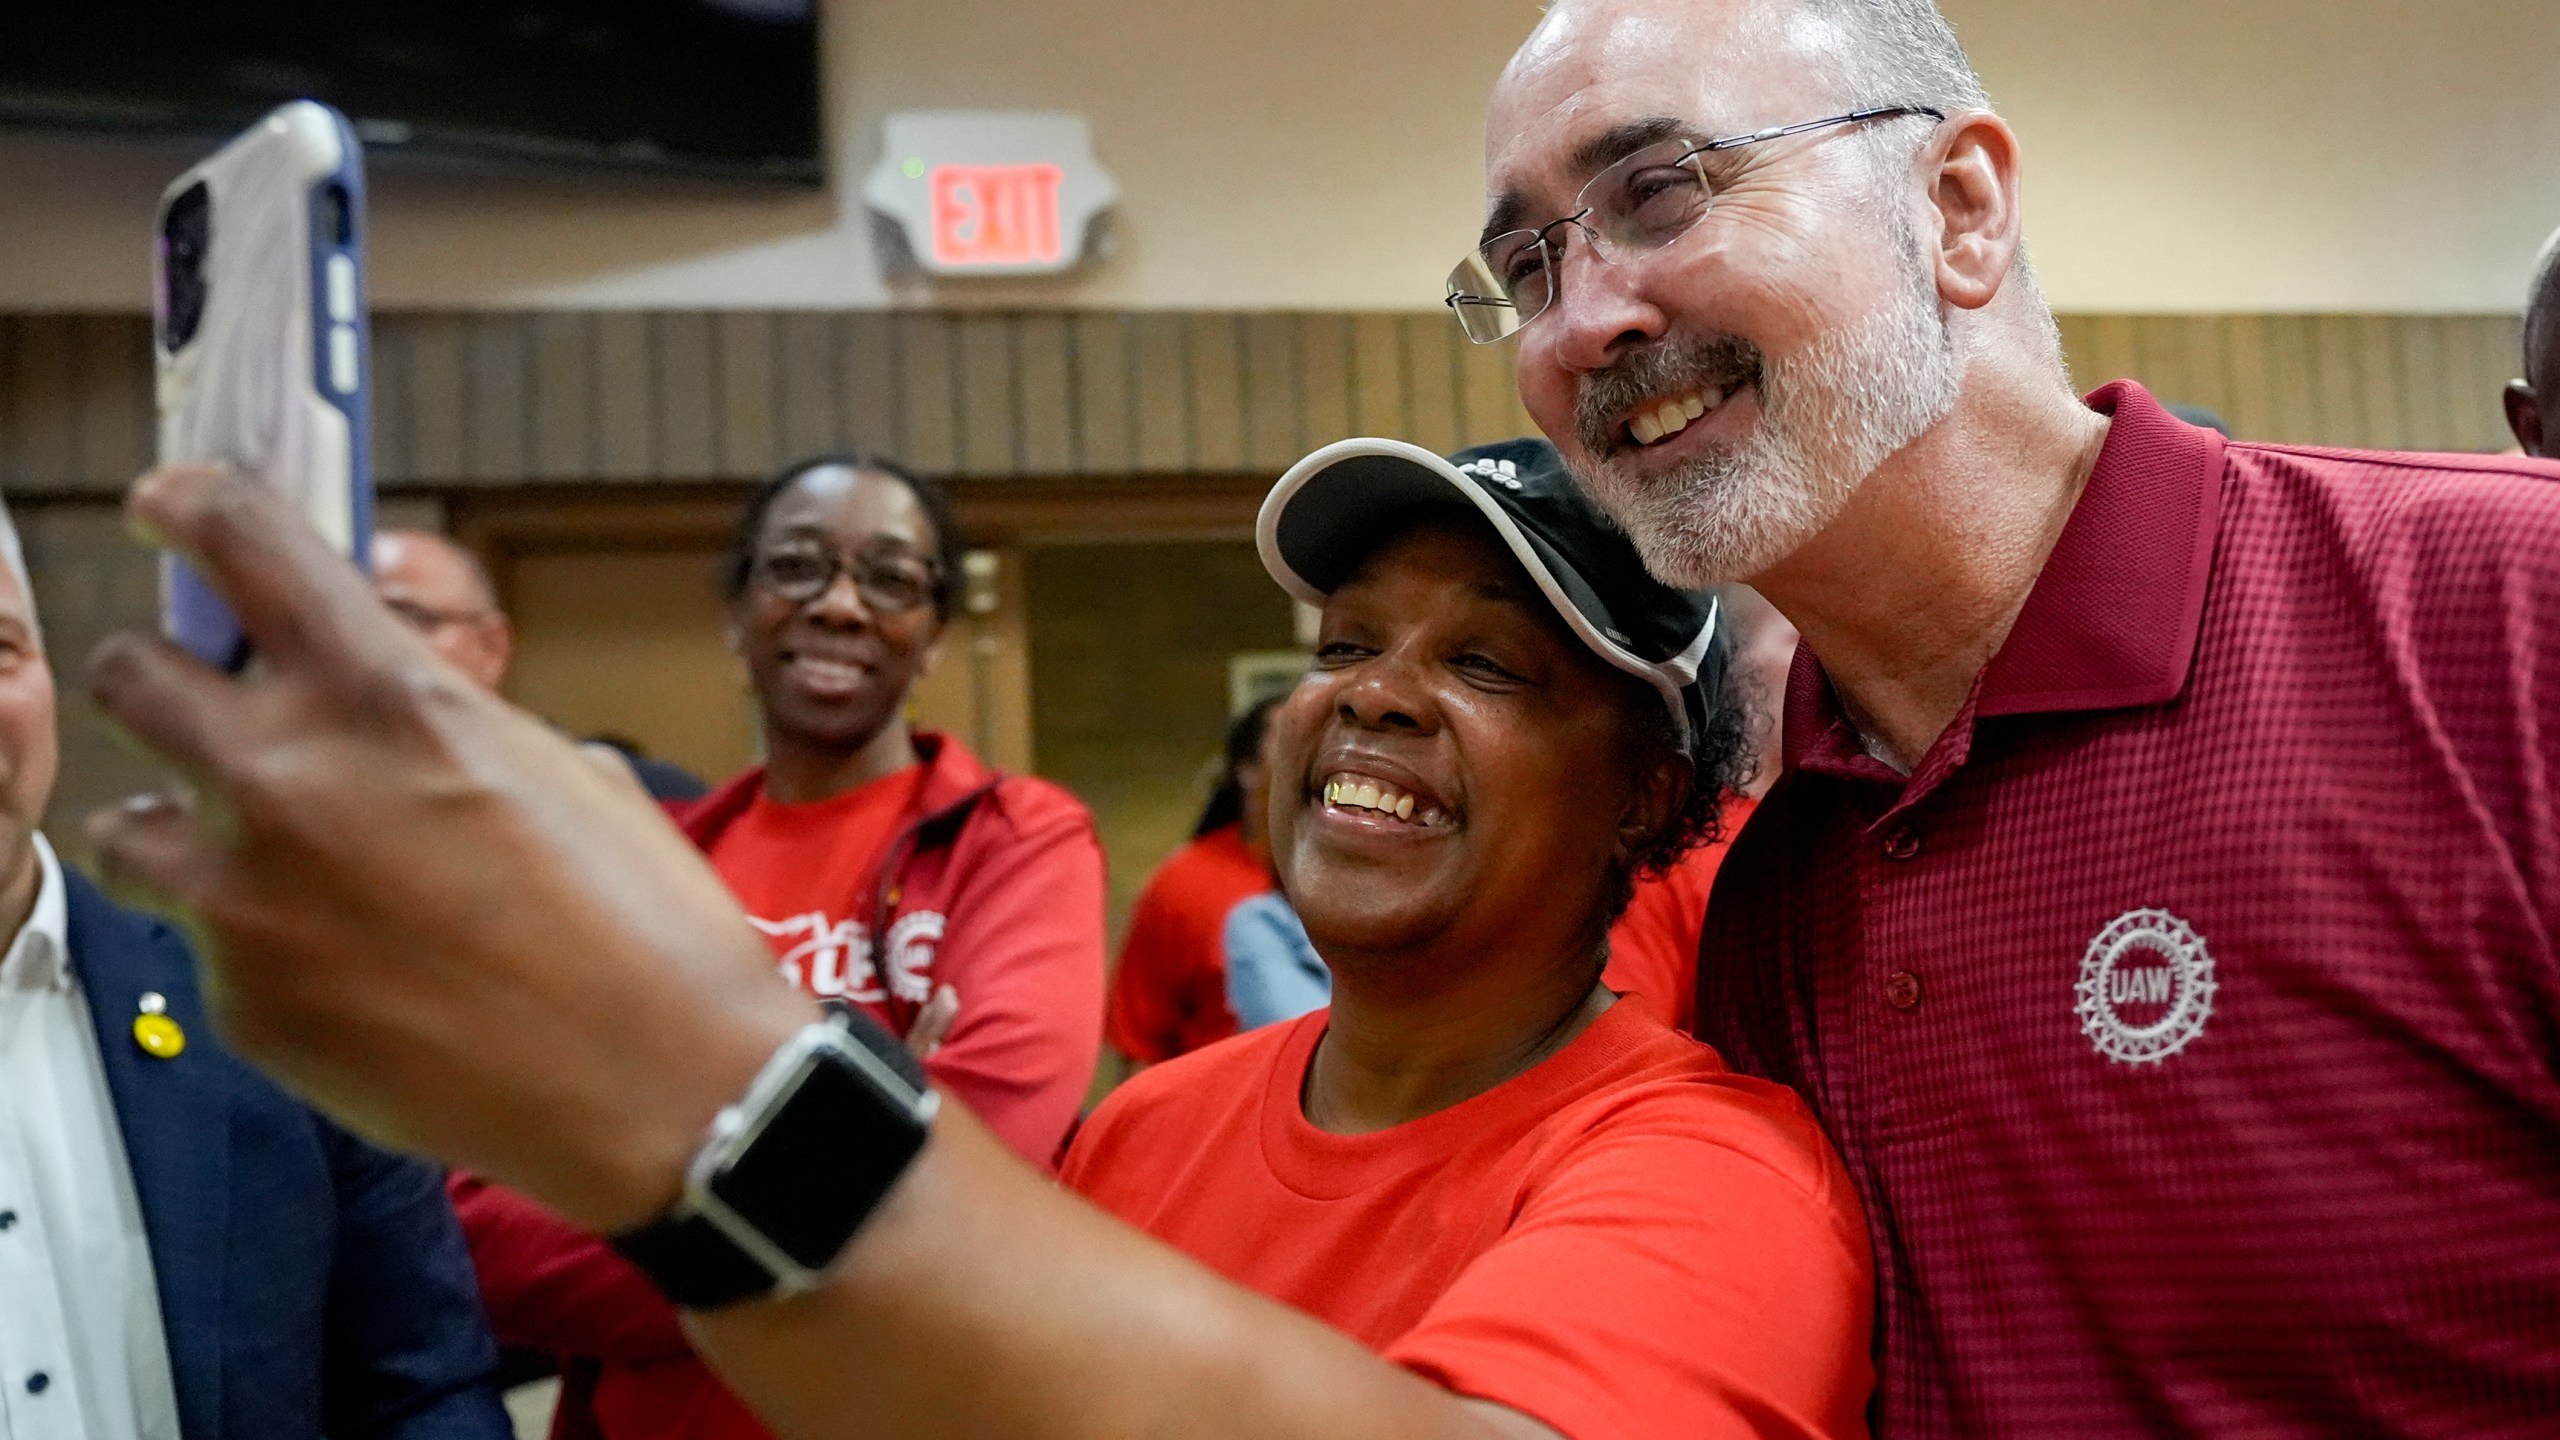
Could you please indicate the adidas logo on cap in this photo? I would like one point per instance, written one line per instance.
(1500, 472)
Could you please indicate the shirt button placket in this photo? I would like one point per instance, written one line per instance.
(1902, 990)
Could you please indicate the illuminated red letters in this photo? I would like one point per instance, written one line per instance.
(995, 215)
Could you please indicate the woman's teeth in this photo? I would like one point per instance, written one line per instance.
(827, 672)
(1359, 792)
(1652, 427)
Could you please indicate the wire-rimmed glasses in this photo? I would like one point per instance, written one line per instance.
(890, 582)
(1635, 206)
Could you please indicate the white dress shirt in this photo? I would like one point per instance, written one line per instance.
(82, 1352)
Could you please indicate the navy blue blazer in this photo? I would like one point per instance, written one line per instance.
(311, 1284)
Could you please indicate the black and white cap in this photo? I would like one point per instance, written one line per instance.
(1331, 509)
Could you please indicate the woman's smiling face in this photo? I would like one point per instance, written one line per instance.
(831, 670)
(1455, 763)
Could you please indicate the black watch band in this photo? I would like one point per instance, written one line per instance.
(693, 1264)
(789, 1173)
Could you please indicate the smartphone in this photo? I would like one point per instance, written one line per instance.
(264, 354)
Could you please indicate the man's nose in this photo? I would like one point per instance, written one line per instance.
(1602, 310)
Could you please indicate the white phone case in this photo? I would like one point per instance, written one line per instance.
(268, 374)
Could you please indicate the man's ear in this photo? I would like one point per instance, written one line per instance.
(2524, 416)
(1972, 166)
(502, 639)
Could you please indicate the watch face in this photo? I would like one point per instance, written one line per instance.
(821, 1161)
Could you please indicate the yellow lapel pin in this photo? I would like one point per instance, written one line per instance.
(160, 1037)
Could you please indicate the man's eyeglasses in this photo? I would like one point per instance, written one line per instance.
(427, 620)
(889, 583)
(1635, 206)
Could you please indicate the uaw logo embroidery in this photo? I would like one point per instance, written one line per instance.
(2146, 987)
(1501, 472)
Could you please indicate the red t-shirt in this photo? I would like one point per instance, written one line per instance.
(796, 869)
(1653, 949)
(1626, 1241)
(1169, 994)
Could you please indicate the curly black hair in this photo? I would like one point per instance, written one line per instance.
(739, 561)
(1720, 764)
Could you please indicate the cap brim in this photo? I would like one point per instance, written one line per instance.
(1330, 509)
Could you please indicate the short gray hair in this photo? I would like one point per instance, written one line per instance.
(1907, 54)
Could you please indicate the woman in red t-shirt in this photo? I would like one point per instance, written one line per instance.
(887, 868)
(1479, 1162)
(1169, 988)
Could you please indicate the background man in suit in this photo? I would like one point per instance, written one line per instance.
(187, 1253)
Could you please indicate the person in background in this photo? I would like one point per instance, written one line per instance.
(2533, 402)
(1170, 992)
(444, 592)
(187, 1252)
(1273, 970)
(888, 869)
(1653, 949)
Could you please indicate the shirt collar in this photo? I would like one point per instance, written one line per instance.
(2113, 618)
(39, 957)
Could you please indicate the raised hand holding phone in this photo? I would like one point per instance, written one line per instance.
(418, 905)
(262, 343)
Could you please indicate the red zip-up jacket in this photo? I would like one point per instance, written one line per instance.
(1006, 870)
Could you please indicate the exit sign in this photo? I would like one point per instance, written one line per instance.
(990, 192)
(995, 215)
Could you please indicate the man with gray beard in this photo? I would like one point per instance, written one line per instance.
(2158, 900)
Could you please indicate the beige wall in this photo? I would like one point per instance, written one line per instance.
(2186, 155)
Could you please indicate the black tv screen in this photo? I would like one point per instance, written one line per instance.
(724, 87)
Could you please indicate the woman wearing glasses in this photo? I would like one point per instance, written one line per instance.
(888, 869)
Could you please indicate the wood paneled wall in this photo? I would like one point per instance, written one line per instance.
(2379, 382)
(517, 398)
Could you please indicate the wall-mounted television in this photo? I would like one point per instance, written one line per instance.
(715, 87)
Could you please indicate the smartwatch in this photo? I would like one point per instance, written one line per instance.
(788, 1174)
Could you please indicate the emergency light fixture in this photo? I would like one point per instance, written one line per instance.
(990, 192)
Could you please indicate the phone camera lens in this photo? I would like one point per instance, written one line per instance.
(337, 220)
(186, 232)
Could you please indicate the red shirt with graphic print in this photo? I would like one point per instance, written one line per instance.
(955, 875)
(795, 868)
(2190, 1015)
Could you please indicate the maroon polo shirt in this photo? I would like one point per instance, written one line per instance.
(2189, 1017)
